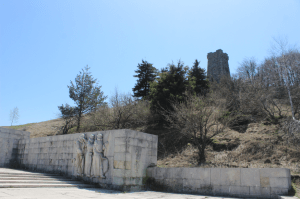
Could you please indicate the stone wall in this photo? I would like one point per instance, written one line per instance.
(9, 139)
(131, 158)
(236, 182)
(217, 65)
(129, 153)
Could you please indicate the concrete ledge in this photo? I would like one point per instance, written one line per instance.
(236, 182)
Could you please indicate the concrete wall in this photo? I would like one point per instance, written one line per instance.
(129, 154)
(9, 139)
(237, 182)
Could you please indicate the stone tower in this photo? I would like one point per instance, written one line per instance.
(217, 65)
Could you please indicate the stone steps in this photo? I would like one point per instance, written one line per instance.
(40, 185)
(10, 178)
(39, 181)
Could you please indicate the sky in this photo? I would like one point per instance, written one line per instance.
(44, 44)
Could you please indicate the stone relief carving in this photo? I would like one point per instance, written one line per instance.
(100, 163)
(90, 159)
(80, 147)
(89, 155)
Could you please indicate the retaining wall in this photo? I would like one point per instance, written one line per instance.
(9, 139)
(129, 154)
(237, 182)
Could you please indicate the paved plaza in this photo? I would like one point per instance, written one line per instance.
(74, 193)
(54, 187)
(79, 193)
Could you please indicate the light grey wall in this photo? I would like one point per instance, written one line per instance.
(129, 154)
(237, 182)
(9, 139)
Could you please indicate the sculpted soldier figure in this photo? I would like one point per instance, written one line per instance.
(100, 163)
(80, 146)
(89, 155)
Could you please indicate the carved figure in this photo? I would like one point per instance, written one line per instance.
(89, 155)
(100, 163)
(80, 146)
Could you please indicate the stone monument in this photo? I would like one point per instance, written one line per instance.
(80, 146)
(90, 160)
(217, 65)
(100, 163)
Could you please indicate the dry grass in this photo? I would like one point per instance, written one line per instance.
(261, 146)
(41, 129)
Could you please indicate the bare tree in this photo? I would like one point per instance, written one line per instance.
(196, 117)
(123, 112)
(14, 115)
(247, 69)
(122, 109)
(286, 62)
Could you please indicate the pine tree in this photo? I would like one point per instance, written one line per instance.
(169, 86)
(86, 94)
(146, 74)
(198, 78)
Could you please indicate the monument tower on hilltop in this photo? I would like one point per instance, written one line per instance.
(217, 65)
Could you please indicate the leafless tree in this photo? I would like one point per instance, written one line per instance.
(14, 115)
(286, 62)
(247, 69)
(124, 112)
(198, 118)
(123, 107)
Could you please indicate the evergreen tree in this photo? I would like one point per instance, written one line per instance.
(68, 114)
(198, 78)
(169, 86)
(146, 74)
(86, 94)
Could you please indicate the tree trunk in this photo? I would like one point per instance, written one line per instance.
(291, 102)
(78, 120)
(201, 153)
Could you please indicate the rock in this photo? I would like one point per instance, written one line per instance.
(240, 123)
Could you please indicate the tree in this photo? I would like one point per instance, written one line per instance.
(197, 75)
(247, 70)
(198, 118)
(68, 114)
(124, 112)
(146, 74)
(171, 84)
(287, 62)
(14, 115)
(86, 94)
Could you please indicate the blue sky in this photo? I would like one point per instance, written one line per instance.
(44, 44)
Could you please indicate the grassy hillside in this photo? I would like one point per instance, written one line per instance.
(40, 129)
(260, 146)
